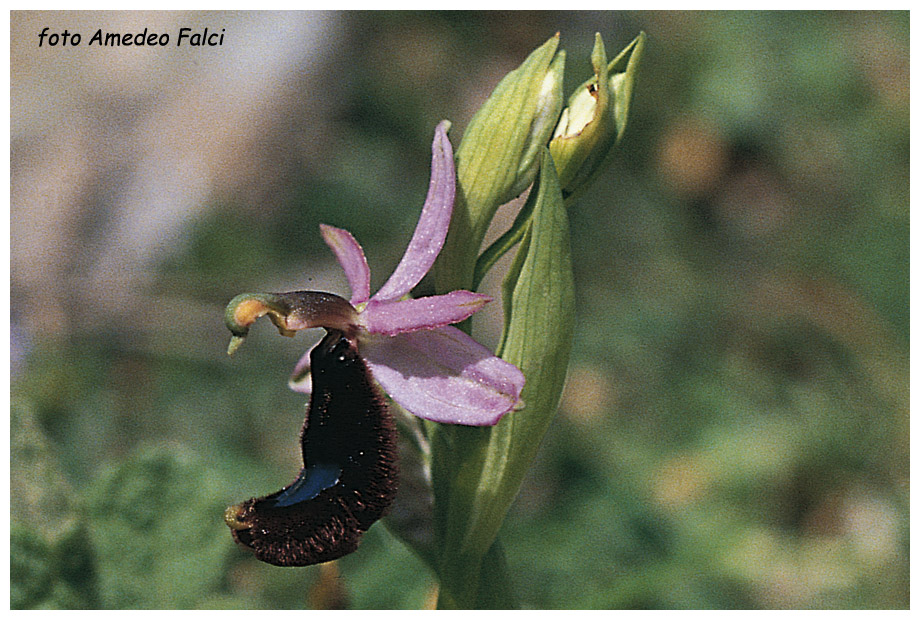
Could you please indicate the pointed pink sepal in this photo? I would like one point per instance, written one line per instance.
(431, 229)
(445, 376)
(351, 257)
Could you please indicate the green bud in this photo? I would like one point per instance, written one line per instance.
(595, 118)
(549, 106)
(499, 155)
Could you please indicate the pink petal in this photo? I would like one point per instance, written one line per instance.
(395, 317)
(351, 257)
(300, 380)
(431, 229)
(444, 375)
(303, 383)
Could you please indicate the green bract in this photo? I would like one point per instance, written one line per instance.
(477, 472)
(587, 131)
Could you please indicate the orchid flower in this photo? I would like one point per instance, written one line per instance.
(434, 371)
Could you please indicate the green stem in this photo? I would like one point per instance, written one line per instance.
(482, 584)
(508, 240)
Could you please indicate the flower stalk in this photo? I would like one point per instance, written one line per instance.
(477, 472)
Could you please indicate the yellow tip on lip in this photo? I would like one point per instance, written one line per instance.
(232, 518)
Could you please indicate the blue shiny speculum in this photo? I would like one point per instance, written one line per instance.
(312, 480)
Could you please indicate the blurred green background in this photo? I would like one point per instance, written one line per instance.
(734, 432)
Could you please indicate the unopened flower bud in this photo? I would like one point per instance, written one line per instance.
(497, 158)
(549, 105)
(596, 116)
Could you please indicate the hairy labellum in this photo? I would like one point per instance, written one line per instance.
(349, 477)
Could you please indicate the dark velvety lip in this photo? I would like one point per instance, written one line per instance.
(349, 477)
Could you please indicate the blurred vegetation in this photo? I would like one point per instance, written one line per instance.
(734, 433)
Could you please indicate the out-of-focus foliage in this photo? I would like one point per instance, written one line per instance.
(156, 541)
(734, 431)
(51, 563)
